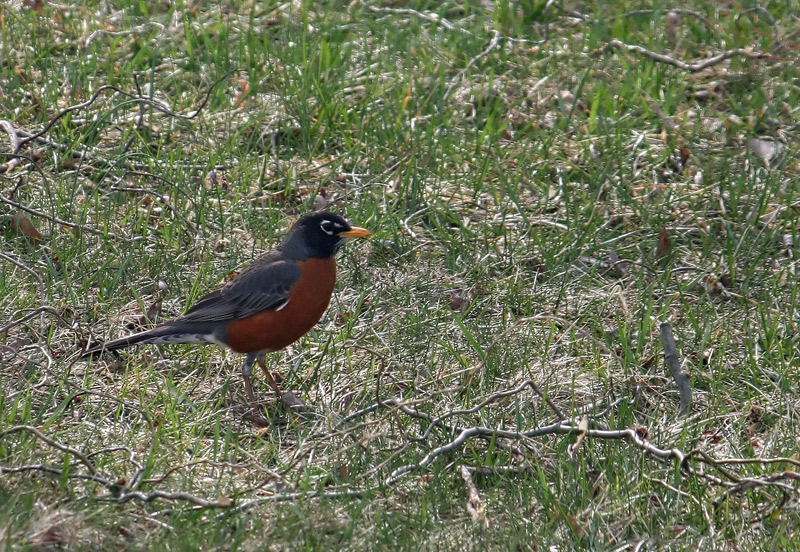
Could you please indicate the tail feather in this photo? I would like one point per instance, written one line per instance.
(165, 333)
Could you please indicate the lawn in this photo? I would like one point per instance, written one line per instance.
(575, 325)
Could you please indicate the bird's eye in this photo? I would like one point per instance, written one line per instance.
(327, 227)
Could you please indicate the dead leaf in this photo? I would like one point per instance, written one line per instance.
(23, 226)
(146, 319)
(702, 95)
(734, 121)
(567, 97)
(293, 402)
(343, 318)
(459, 300)
(59, 268)
(668, 122)
(683, 159)
(575, 526)
(115, 366)
(768, 151)
(15, 344)
(673, 25)
(71, 162)
(712, 285)
(596, 477)
(36, 5)
(618, 264)
(583, 429)
(244, 89)
(154, 310)
(756, 414)
(215, 180)
(320, 202)
(664, 243)
(474, 503)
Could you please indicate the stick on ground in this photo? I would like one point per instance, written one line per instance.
(671, 358)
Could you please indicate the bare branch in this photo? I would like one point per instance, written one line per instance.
(496, 38)
(13, 137)
(142, 100)
(135, 30)
(432, 17)
(291, 497)
(490, 399)
(692, 66)
(33, 312)
(674, 365)
(175, 497)
(55, 471)
(55, 444)
(434, 454)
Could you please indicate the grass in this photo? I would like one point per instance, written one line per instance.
(548, 185)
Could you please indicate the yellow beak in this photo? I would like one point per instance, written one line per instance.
(356, 232)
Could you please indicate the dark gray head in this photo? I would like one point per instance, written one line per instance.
(319, 235)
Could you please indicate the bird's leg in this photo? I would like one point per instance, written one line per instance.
(287, 398)
(247, 372)
(261, 358)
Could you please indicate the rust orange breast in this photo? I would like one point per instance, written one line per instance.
(275, 329)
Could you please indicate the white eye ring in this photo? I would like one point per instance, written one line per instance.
(325, 226)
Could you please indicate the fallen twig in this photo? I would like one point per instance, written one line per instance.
(137, 98)
(490, 399)
(53, 443)
(13, 137)
(33, 312)
(694, 66)
(290, 497)
(432, 17)
(674, 365)
(474, 504)
(55, 471)
(135, 30)
(496, 38)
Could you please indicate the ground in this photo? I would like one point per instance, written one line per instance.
(551, 190)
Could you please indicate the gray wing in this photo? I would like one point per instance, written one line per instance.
(264, 285)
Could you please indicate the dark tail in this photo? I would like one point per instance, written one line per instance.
(176, 332)
(149, 336)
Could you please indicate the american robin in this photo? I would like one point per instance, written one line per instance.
(269, 305)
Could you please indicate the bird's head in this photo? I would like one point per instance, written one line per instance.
(319, 235)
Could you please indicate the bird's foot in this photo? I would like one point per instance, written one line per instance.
(254, 414)
(288, 399)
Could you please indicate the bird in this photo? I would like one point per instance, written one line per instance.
(269, 305)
